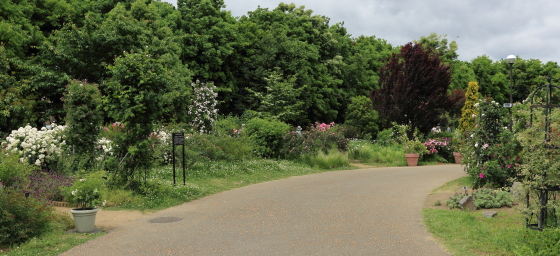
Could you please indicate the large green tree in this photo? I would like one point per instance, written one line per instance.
(145, 88)
(15, 106)
(491, 78)
(360, 73)
(84, 52)
(305, 46)
(461, 73)
(446, 50)
(211, 45)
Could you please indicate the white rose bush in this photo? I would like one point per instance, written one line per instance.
(44, 146)
(37, 147)
(204, 106)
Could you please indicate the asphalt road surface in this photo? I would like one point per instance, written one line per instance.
(373, 211)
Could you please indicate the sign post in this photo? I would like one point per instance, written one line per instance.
(178, 139)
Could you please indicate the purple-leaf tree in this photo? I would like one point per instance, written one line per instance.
(413, 88)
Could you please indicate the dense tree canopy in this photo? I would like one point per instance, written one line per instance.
(46, 44)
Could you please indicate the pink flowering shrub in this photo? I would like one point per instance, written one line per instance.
(491, 150)
(439, 149)
(318, 137)
(322, 127)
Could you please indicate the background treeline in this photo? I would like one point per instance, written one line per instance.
(269, 61)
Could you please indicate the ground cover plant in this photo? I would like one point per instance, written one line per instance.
(484, 199)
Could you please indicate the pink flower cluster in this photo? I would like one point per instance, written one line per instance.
(322, 127)
(432, 144)
(118, 126)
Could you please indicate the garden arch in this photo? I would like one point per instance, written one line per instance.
(551, 145)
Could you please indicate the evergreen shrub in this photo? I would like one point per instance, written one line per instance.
(385, 138)
(84, 118)
(12, 171)
(267, 135)
(21, 217)
(360, 114)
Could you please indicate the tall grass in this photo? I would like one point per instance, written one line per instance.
(365, 152)
(333, 159)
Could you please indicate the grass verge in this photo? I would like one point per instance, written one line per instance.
(53, 243)
(203, 179)
(469, 233)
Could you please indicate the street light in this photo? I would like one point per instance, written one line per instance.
(510, 59)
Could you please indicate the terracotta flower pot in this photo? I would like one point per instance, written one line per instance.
(412, 159)
(458, 157)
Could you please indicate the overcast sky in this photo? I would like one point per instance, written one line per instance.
(497, 28)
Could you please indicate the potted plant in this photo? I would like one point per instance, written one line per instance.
(413, 149)
(86, 193)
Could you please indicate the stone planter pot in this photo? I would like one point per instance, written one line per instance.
(84, 219)
(458, 157)
(412, 159)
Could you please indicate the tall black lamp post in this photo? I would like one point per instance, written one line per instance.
(510, 59)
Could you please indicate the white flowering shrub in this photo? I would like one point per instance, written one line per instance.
(204, 106)
(104, 149)
(44, 146)
(161, 144)
(38, 147)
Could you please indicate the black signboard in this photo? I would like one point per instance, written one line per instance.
(179, 138)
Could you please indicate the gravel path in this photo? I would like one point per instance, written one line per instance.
(355, 212)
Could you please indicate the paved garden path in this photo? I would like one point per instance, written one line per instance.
(373, 211)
